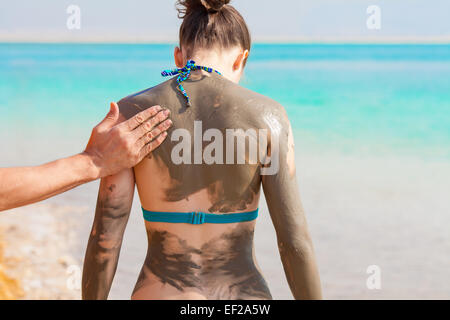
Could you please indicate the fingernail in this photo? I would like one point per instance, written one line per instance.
(164, 134)
(169, 122)
(158, 108)
(167, 112)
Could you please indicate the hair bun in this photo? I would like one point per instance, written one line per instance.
(214, 5)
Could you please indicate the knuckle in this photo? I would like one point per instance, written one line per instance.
(155, 118)
(148, 125)
(154, 110)
(139, 118)
(121, 135)
(155, 135)
(153, 121)
(128, 145)
(131, 155)
(162, 115)
(156, 132)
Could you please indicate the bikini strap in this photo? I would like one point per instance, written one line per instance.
(184, 73)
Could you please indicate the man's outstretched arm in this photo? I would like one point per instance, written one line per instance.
(113, 146)
(283, 200)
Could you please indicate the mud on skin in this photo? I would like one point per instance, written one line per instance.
(219, 104)
(222, 267)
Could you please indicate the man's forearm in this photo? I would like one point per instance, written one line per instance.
(26, 185)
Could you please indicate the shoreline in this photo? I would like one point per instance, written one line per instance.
(288, 41)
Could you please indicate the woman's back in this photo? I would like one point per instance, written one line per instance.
(209, 163)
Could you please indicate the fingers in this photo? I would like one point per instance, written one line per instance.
(163, 126)
(141, 117)
(147, 126)
(155, 143)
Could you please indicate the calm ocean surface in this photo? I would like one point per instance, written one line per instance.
(363, 99)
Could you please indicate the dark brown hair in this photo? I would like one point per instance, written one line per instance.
(210, 23)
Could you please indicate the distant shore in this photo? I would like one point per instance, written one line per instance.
(69, 38)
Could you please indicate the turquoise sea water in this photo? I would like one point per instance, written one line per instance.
(357, 99)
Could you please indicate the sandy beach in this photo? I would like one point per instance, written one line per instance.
(37, 252)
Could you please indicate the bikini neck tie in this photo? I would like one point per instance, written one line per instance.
(183, 74)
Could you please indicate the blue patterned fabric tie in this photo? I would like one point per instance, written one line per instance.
(184, 73)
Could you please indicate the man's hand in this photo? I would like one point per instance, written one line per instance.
(113, 146)
(116, 145)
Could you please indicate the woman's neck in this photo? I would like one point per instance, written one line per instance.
(220, 62)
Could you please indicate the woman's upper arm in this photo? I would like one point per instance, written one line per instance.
(281, 188)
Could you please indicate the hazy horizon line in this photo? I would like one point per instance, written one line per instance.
(256, 40)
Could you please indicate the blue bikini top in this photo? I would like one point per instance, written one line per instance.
(199, 217)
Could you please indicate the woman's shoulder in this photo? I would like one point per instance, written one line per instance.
(250, 103)
(262, 106)
(141, 100)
